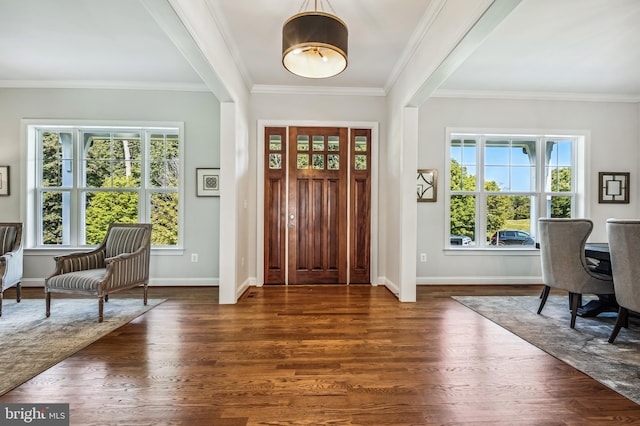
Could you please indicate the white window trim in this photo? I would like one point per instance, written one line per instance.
(582, 182)
(29, 168)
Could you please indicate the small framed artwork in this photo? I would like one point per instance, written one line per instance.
(208, 182)
(4, 180)
(427, 185)
(613, 187)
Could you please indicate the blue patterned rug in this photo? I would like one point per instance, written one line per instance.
(32, 343)
(585, 348)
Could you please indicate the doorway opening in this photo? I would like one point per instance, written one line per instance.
(317, 205)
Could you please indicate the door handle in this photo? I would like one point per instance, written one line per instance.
(292, 219)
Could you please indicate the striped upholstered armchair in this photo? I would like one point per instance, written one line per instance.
(120, 262)
(10, 258)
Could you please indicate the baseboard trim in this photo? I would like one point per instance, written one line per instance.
(515, 280)
(393, 287)
(249, 282)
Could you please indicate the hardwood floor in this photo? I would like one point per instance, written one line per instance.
(320, 355)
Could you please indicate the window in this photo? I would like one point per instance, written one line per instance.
(500, 184)
(82, 178)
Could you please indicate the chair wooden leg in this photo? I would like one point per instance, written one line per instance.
(626, 320)
(577, 296)
(575, 302)
(100, 309)
(544, 296)
(48, 305)
(1, 303)
(145, 294)
(623, 316)
(18, 292)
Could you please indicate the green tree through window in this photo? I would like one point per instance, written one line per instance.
(125, 177)
(515, 199)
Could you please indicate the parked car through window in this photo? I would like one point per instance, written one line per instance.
(512, 237)
(460, 240)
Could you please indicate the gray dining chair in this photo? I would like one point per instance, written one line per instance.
(624, 246)
(564, 264)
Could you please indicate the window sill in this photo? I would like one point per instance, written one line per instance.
(488, 251)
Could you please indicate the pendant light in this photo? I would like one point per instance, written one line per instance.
(314, 44)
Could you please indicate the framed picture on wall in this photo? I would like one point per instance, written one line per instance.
(4, 180)
(427, 185)
(614, 187)
(208, 182)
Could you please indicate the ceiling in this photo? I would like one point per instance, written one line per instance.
(559, 48)
(544, 48)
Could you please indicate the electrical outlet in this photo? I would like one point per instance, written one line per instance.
(194, 257)
(423, 257)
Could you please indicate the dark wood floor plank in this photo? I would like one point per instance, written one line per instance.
(321, 355)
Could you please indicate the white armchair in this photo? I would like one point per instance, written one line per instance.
(10, 258)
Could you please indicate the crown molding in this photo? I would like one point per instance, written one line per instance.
(330, 91)
(112, 85)
(539, 96)
(313, 90)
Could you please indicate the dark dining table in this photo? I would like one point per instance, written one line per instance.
(599, 256)
(600, 253)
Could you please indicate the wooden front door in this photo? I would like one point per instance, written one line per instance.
(317, 219)
(306, 228)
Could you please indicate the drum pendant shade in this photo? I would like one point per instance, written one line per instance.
(314, 45)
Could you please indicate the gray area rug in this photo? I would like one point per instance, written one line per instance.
(585, 348)
(31, 343)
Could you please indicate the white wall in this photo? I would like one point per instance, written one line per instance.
(614, 145)
(200, 113)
